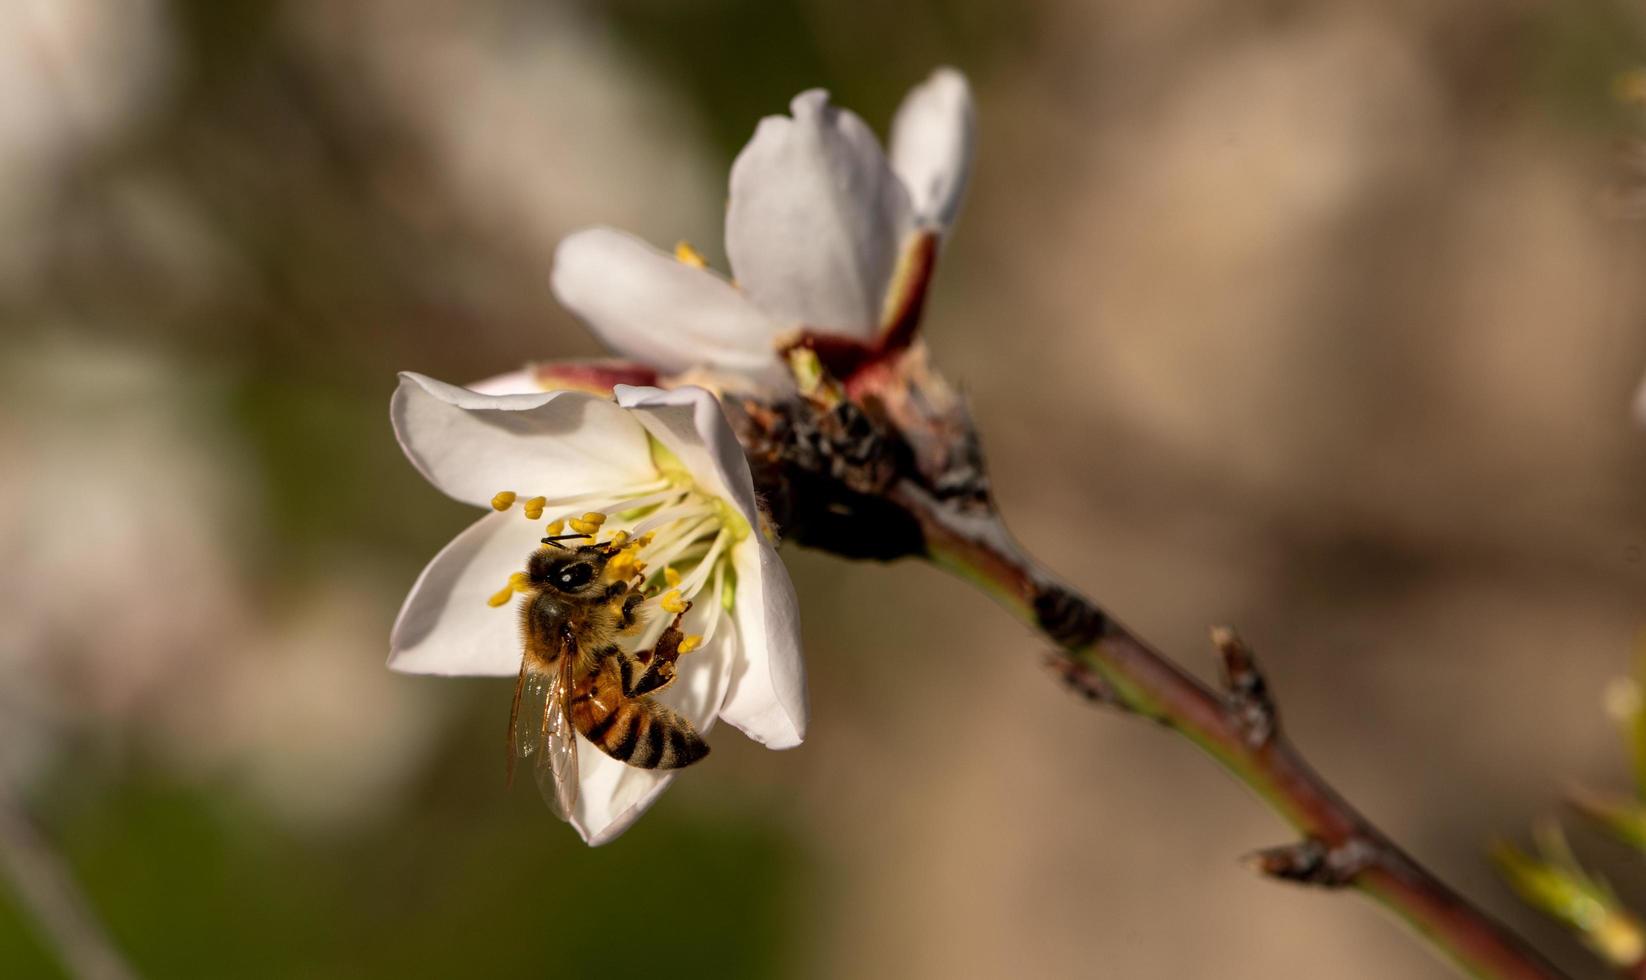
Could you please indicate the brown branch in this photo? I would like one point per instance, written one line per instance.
(1082, 681)
(894, 470)
(1238, 726)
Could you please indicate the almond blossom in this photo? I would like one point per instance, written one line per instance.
(661, 470)
(826, 235)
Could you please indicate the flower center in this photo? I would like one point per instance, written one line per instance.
(668, 537)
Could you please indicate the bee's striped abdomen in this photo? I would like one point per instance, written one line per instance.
(638, 731)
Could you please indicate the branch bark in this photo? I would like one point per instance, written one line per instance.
(888, 466)
(1239, 727)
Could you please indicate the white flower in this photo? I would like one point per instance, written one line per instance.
(823, 231)
(659, 462)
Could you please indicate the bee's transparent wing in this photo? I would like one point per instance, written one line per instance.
(544, 734)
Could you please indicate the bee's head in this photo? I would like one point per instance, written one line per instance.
(574, 571)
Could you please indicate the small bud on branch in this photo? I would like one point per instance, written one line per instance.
(1312, 862)
(1248, 693)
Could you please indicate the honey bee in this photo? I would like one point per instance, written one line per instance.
(575, 677)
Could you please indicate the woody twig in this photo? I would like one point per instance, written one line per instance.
(894, 471)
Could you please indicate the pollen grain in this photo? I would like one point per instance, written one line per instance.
(686, 255)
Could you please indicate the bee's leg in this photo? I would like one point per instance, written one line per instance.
(627, 620)
(656, 666)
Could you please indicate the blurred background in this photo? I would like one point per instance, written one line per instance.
(1306, 317)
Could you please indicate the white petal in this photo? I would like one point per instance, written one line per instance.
(521, 382)
(767, 698)
(554, 443)
(816, 219)
(611, 795)
(931, 146)
(689, 423)
(445, 625)
(655, 309)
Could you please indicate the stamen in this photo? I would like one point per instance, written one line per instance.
(677, 539)
(618, 540)
(590, 498)
(690, 643)
(684, 253)
(672, 602)
(555, 527)
(718, 607)
(671, 576)
(670, 515)
(501, 596)
(700, 574)
(534, 508)
(503, 500)
(519, 581)
(635, 508)
(589, 523)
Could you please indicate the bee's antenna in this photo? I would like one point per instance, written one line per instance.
(555, 539)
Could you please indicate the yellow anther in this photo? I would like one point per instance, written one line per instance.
(645, 540)
(690, 643)
(618, 540)
(672, 602)
(684, 252)
(534, 508)
(584, 527)
(671, 576)
(500, 596)
(518, 580)
(503, 500)
(595, 517)
(555, 527)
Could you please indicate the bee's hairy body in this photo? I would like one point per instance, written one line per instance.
(573, 622)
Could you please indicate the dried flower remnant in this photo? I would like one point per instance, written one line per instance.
(658, 481)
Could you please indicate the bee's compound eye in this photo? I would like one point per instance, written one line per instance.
(574, 576)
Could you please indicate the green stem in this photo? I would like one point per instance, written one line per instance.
(1342, 849)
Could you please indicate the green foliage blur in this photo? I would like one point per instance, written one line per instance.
(191, 886)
